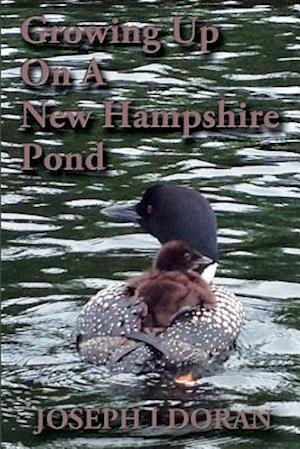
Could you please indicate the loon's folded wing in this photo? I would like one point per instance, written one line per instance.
(111, 312)
(108, 333)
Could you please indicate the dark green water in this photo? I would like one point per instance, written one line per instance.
(59, 249)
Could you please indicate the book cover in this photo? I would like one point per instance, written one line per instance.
(150, 233)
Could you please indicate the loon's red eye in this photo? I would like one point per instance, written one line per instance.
(150, 209)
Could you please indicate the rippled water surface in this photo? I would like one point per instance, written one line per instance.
(59, 249)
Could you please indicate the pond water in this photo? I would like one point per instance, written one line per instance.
(59, 248)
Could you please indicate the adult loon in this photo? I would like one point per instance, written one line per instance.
(108, 330)
(170, 212)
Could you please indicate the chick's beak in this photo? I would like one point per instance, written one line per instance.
(203, 261)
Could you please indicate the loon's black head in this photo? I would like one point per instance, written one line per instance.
(170, 212)
(178, 255)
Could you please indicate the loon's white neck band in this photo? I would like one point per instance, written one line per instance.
(209, 272)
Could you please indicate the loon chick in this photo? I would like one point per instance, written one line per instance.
(171, 286)
(170, 212)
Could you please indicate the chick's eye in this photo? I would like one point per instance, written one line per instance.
(187, 256)
(150, 209)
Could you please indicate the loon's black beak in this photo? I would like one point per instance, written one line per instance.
(124, 214)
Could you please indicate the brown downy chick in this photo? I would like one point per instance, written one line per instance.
(171, 285)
